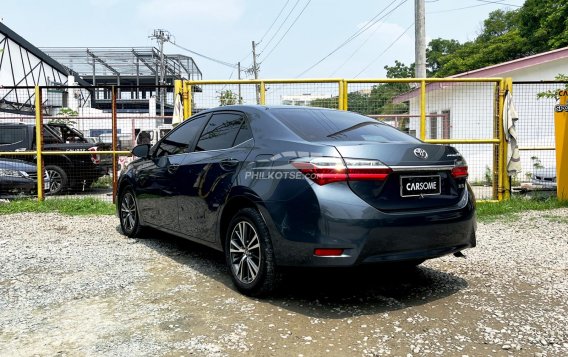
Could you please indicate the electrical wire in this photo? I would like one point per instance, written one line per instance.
(483, 3)
(357, 49)
(280, 27)
(273, 22)
(288, 30)
(498, 2)
(206, 57)
(385, 50)
(357, 33)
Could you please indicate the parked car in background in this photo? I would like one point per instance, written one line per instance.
(296, 186)
(18, 178)
(544, 177)
(66, 172)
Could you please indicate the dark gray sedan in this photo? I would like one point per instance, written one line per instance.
(273, 187)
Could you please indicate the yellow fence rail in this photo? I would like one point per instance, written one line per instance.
(499, 179)
(419, 115)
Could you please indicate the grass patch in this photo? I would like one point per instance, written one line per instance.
(103, 182)
(68, 206)
(491, 211)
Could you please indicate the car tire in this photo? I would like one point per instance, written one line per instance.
(249, 254)
(58, 180)
(128, 213)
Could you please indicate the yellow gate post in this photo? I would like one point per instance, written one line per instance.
(561, 135)
(341, 96)
(39, 142)
(423, 110)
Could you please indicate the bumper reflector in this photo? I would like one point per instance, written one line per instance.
(328, 252)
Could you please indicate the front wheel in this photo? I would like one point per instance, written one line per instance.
(249, 254)
(128, 214)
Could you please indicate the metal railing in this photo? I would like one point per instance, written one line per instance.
(477, 132)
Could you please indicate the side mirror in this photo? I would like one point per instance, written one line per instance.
(142, 150)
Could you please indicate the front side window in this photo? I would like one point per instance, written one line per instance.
(220, 132)
(179, 139)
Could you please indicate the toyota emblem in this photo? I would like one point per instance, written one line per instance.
(421, 153)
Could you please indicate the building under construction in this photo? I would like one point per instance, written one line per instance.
(139, 68)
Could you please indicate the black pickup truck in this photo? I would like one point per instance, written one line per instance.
(65, 172)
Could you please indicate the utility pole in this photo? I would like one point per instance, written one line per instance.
(420, 39)
(255, 71)
(162, 36)
(239, 77)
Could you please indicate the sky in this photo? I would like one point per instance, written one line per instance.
(305, 41)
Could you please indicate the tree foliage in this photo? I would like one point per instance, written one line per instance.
(228, 97)
(538, 26)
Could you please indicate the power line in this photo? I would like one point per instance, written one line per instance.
(280, 27)
(273, 22)
(373, 21)
(483, 3)
(498, 2)
(288, 30)
(204, 56)
(357, 49)
(385, 50)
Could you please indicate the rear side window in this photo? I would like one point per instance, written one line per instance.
(179, 140)
(323, 125)
(10, 136)
(220, 132)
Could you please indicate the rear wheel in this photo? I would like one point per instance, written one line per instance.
(58, 180)
(128, 214)
(249, 254)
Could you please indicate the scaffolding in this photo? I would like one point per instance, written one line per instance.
(138, 67)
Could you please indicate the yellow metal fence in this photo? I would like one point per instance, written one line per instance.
(466, 113)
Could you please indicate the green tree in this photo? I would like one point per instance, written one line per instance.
(67, 114)
(436, 53)
(227, 97)
(544, 23)
(400, 70)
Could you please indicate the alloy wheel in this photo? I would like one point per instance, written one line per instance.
(128, 212)
(245, 252)
(55, 181)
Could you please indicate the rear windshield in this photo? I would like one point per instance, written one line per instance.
(323, 125)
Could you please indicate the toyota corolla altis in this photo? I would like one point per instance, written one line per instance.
(280, 186)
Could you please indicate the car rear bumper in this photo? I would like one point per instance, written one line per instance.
(368, 235)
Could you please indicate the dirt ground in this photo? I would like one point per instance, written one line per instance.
(74, 286)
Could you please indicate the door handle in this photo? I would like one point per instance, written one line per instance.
(229, 163)
(173, 168)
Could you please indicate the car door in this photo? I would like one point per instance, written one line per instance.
(210, 171)
(159, 176)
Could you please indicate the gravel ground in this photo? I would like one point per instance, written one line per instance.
(74, 286)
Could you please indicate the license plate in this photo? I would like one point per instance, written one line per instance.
(414, 186)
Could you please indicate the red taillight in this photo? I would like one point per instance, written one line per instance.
(459, 172)
(324, 170)
(96, 159)
(367, 170)
(328, 252)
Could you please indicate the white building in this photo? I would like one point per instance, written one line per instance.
(303, 99)
(467, 110)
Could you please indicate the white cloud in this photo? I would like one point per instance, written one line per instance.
(192, 10)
